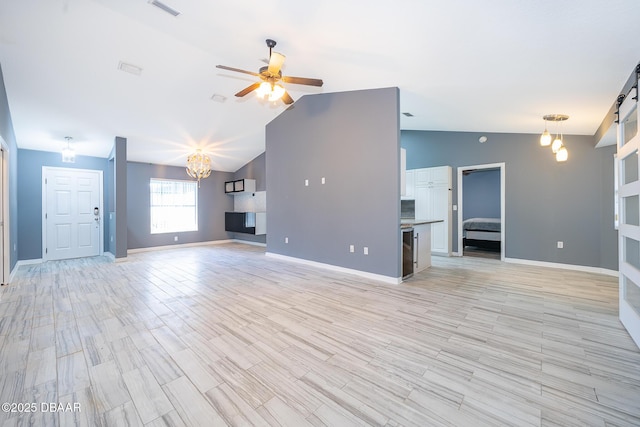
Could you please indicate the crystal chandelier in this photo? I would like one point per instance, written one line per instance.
(198, 166)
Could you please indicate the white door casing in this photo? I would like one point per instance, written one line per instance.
(503, 227)
(5, 246)
(71, 226)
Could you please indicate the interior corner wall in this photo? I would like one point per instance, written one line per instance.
(546, 201)
(255, 169)
(212, 204)
(7, 133)
(352, 140)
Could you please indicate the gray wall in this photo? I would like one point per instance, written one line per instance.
(481, 194)
(118, 219)
(212, 204)
(29, 212)
(255, 169)
(351, 139)
(6, 130)
(546, 201)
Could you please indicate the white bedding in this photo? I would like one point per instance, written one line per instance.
(482, 235)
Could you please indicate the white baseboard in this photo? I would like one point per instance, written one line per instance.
(182, 245)
(587, 269)
(367, 275)
(248, 242)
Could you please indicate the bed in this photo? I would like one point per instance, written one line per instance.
(482, 233)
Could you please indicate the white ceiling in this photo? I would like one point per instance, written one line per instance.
(481, 66)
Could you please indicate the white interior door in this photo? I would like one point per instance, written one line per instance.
(629, 215)
(73, 210)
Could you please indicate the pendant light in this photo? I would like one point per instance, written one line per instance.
(545, 138)
(68, 155)
(557, 147)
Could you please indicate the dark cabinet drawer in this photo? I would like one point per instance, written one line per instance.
(240, 222)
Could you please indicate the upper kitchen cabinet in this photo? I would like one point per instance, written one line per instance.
(432, 193)
(240, 186)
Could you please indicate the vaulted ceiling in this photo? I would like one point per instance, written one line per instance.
(480, 66)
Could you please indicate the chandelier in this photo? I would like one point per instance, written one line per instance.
(198, 166)
(557, 147)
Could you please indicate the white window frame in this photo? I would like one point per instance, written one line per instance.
(173, 201)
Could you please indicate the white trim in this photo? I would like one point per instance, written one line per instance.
(585, 268)
(183, 245)
(28, 262)
(367, 275)
(45, 171)
(248, 242)
(503, 227)
(6, 212)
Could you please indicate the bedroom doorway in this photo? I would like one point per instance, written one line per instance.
(484, 214)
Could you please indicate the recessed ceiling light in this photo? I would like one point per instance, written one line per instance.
(218, 98)
(129, 68)
(408, 114)
(171, 11)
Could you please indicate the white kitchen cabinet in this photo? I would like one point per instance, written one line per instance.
(409, 179)
(421, 247)
(432, 193)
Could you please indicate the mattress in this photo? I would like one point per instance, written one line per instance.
(482, 235)
(482, 224)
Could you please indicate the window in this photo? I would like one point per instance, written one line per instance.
(174, 206)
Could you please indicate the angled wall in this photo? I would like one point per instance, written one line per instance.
(352, 140)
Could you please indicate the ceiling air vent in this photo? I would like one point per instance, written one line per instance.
(164, 7)
(129, 68)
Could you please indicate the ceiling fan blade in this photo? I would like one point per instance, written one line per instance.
(224, 67)
(275, 63)
(303, 81)
(248, 89)
(286, 98)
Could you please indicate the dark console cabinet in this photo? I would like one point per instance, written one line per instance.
(240, 222)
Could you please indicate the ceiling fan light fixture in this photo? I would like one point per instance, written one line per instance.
(276, 93)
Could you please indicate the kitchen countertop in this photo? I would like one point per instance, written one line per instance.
(410, 222)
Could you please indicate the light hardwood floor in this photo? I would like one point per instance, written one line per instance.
(223, 334)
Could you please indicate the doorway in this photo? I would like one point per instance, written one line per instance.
(72, 217)
(489, 231)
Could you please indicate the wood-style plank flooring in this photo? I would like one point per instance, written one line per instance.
(223, 335)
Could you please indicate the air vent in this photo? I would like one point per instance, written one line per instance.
(218, 98)
(129, 68)
(164, 7)
(408, 114)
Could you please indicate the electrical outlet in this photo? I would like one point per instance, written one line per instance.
(352, 249)
(112, 238)
(286, 240)
(306, 182)
(175, 238)
(366, 250)
(323, 180)
(560, 244)
(455, 207)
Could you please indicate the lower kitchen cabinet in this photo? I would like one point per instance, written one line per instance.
(421, 247)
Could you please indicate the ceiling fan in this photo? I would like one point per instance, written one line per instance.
(270, 76)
